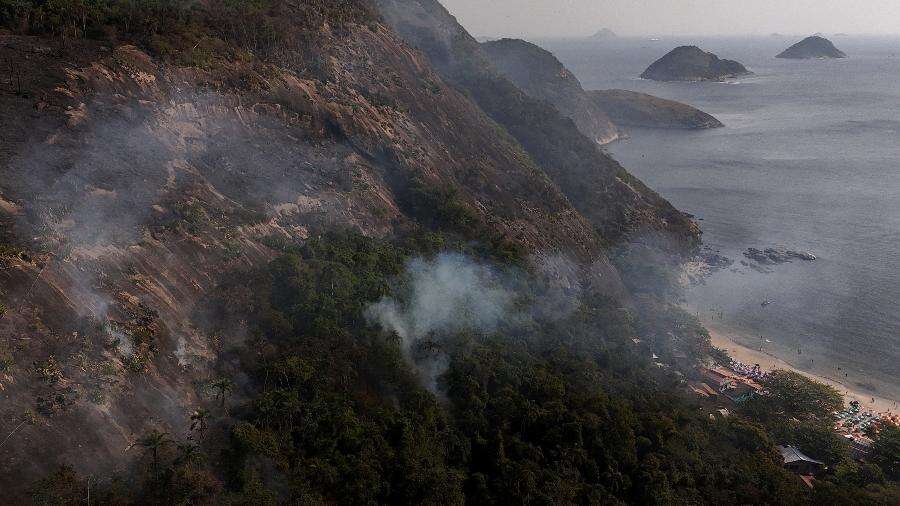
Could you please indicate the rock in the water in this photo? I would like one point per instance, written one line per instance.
(690, 63)
(629, 108)
(802, 255)
(812, 47)
(772, 256)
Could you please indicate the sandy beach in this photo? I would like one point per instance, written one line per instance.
(725, 339)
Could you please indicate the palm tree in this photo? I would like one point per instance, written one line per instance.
(190, 454)
(200, 421)
(153, 442)
(223, 387)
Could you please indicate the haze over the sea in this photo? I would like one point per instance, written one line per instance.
(573, 18)
(809, 159)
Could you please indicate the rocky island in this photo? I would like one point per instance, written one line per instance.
(690, 63)
(633, 109)
(604, 33)
(600, 115)
(812, 47)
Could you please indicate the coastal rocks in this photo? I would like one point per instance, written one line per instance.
(773, 256)
(812, 47)
(633, 109)
(690, 63)
(715, 260)
(707, 262)
(757, 267)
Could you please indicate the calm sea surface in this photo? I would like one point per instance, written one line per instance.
(809, 159)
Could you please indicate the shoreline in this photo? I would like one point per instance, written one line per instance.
(721, 338)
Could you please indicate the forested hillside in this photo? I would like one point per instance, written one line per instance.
(270, 252)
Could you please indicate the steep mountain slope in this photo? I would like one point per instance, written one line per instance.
(260, 253)
(134, 184)
(619, 206)
(539, 74)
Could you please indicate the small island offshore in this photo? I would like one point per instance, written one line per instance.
(690, 63)
(599, 114)
(633, 109)
(810, 48)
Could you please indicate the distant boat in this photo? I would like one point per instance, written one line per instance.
(767, 302)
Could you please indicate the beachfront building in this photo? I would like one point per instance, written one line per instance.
(800, 463)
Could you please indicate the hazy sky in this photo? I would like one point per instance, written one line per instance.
(666, 17)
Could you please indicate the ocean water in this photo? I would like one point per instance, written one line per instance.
(809, 159)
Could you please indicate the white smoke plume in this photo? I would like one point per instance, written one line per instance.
(449, 293)
(452, 293)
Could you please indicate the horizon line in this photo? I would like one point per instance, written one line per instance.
(686, 35)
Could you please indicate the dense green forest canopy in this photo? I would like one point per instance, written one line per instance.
(171, 27)
(546, 411)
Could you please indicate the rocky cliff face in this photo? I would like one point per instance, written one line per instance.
(630, 108)
(133, 183)
(132, 186)
(812, 47)
(690, 63)
(539, 74)
(619, 206)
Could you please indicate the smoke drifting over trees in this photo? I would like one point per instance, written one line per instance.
(449, 293)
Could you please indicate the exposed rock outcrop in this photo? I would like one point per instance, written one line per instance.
(690, 63)
(133, 184)
(633, 109)
(770, 256)
(117, 226)
(810, 48)
(620, 207)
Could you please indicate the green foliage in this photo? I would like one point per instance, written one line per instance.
(188, 28)
(49, 371)
(670, 329)
(153, 442)
(886, 452)
(9, 252)
(6, 361)
(830, 493)
(62, 487)
(858, 474)
(222, 388)
(438, 207)
(647, 270)
(792, 394)
(328, 282)
(798, 411)
(558, 410)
